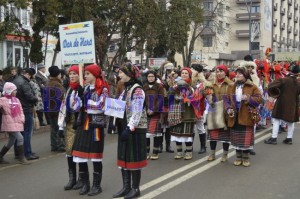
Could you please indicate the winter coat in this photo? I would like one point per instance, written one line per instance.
(55, 93)
(41, 79)
(154, 97)
(286, 105)
(253, 101)
(9, 123)
(37, 91)
(25, 93)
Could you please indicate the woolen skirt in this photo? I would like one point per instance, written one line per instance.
(242, 137)
(219, 135)
(132, 154)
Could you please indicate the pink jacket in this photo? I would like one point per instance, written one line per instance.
(10, 124)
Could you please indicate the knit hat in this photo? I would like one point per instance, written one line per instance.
(244, 71)
(94, 69)
(188, 70)
(130, 70)
(30, 71)
(40, 66)
(197, 67)
(74, 68)
(54, 71)
(9, 88)
(223, 68)
(248, 58)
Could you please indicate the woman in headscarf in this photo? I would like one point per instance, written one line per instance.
(219, 90)
(132, 155)
(182, 127)
(67, 124)
(154, 92)
(243, 98)
(89, 139)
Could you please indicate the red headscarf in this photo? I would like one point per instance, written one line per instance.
(189, 81)
(97, 72)
(223, 68)
(74, 85)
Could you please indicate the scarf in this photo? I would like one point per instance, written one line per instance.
(15, 107)
(74, 85)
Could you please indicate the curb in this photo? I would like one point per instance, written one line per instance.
(42, 129)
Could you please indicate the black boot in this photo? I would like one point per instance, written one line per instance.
(288, 141)
(168, 141)
(203, 143)
(96, 188)
(79, 184)
(271, 141)
(2, 154)
(135, 191)
(126, 177)
(72, 179)
(40, 115)
(86, 183)
(21, 157)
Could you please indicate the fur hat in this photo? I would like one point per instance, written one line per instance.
(9, 88)
(244, 71)
(248, 64)
(130, 70)
(40, 66)
(54, 71)
(197, 67)
(248, 58)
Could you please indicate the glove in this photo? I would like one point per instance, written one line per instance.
(61, 133)
(125, 134)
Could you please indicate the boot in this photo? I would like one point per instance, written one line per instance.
(246, 162)
(224, 156)
(21, 157)
(271, 141)
(126, 177)
(203, 143)
(135, 191)
(168, 142)
(96, 188)
(238, 160)
(72, 179)
(79, 184)
(2, 154)
(86, 183)
(212, 155)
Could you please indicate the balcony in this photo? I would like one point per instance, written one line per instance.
(290, 2)
(296, 32)
(296, 6)
(282, 11)
(290, 29)
(289, 42)
(209, 13)
(208, 31)
(282, 26)
(245, 1)
(275, 22)
(290, 15)
(296, 19)
(244, 34)
(275, 6)
(282, 40)
(245, 16)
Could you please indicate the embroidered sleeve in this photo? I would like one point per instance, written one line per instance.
(75, 101)
(137, 105)
(95, 105)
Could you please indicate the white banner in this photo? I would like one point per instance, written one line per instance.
(77, 43)
(114, 107)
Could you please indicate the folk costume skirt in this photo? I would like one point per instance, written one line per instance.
(70, 135)
(154, 126)
(183, 132)
(132, 154)
(219, 135)
(89, 141)
(242, 137)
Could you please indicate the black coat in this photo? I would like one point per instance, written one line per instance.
(25, 93)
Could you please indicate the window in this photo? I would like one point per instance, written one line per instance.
(220, 27)
(227, 25)
(137, 61)
(255, 9)
(24, 18)
(254, 45)
(226, 43)
(208, 23)
(207, 41)
(208, 6)
(221, 9)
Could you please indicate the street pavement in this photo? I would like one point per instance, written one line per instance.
(274, 173)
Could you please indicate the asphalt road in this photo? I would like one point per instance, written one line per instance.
(274, 173)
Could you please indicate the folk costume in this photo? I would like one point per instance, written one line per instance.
(132, 155)
(154, 106)
(89, 139)
(219, 90)
(181, 116)
(243, 99)
(67, 127)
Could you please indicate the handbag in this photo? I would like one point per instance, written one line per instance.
(174, 115)
(97, 120)
(254, 113)
(36, 122)
(216, 116)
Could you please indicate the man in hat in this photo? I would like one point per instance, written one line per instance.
(52, 102)
(28, 99)
(113, 79)
(42, 80)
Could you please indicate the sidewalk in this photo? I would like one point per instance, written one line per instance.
(42, 129)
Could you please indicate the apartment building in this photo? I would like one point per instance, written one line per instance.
(12, 50)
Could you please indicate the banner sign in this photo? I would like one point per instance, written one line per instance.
(114, 107)
(77, 43)
(156, 62)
